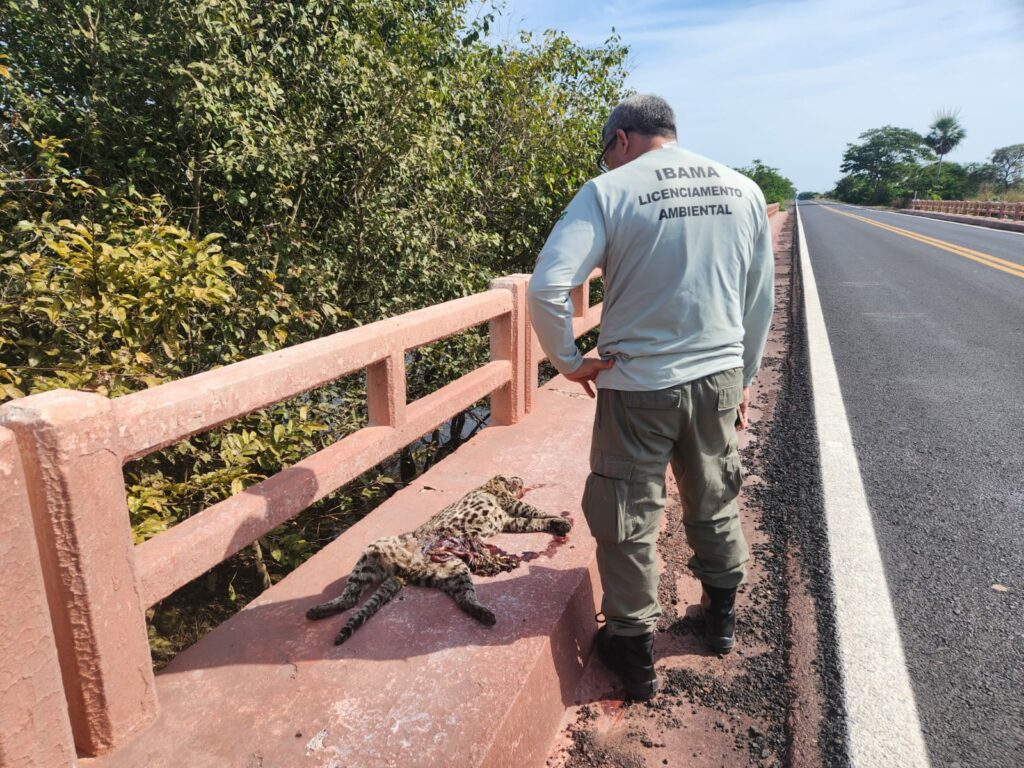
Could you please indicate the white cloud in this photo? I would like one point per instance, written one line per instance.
(793, 82)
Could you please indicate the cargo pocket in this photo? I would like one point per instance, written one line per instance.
(606, 498)
(729, 398)
(732, 474)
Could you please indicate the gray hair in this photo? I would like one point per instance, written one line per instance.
(642, 113)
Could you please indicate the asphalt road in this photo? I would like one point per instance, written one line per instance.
(927, 331)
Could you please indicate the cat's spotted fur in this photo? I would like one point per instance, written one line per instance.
(443, 553)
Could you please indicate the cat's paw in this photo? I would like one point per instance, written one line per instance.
(317, 612)
(560, 526)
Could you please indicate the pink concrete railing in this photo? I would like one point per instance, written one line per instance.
(584, 318)
(98, 585)
(988, 208)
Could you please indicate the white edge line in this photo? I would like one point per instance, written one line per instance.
(882, 721)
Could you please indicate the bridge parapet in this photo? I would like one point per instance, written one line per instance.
(988, 208)
(74, 446)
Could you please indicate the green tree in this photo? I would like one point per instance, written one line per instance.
(776, 187)
(982, 180)
(381, 140)
(944, 134)
(1009, 165)
(953, 183)
(852, 189)
(884, 165)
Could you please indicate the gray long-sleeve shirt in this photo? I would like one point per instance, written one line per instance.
(686, 250)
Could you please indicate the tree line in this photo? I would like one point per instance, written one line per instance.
(776, 187)
(891, 165)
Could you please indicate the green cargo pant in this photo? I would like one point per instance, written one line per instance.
(636, 435)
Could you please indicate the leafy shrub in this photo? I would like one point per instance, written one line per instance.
(776, 187)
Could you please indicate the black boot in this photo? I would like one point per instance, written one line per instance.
(719, 606)
(632, 659)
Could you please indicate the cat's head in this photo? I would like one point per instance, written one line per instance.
(507, 483)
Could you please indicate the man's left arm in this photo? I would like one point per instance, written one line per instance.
(573, 250)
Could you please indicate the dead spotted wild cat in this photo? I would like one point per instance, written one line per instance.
(443, 553)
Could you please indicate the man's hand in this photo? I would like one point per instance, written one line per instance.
(741, 420)
(587, 372)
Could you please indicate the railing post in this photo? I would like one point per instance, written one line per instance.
(385, 391)
(34, 727)
(73, 470)
(580, 296)
(509, 339)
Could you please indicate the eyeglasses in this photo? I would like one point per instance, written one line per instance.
(601, 164)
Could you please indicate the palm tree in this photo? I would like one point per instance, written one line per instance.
(946, 132)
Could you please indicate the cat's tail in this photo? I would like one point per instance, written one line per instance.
(385, 592)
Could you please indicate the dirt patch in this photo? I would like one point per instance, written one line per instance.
(593, 750)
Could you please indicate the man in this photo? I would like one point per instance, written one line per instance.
(685, 247)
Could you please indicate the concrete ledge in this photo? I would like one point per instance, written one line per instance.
(981, 221)
(421, 684)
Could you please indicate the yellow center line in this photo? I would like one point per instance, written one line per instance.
(1010, 267)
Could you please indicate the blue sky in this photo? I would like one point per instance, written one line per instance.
(793, 81)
